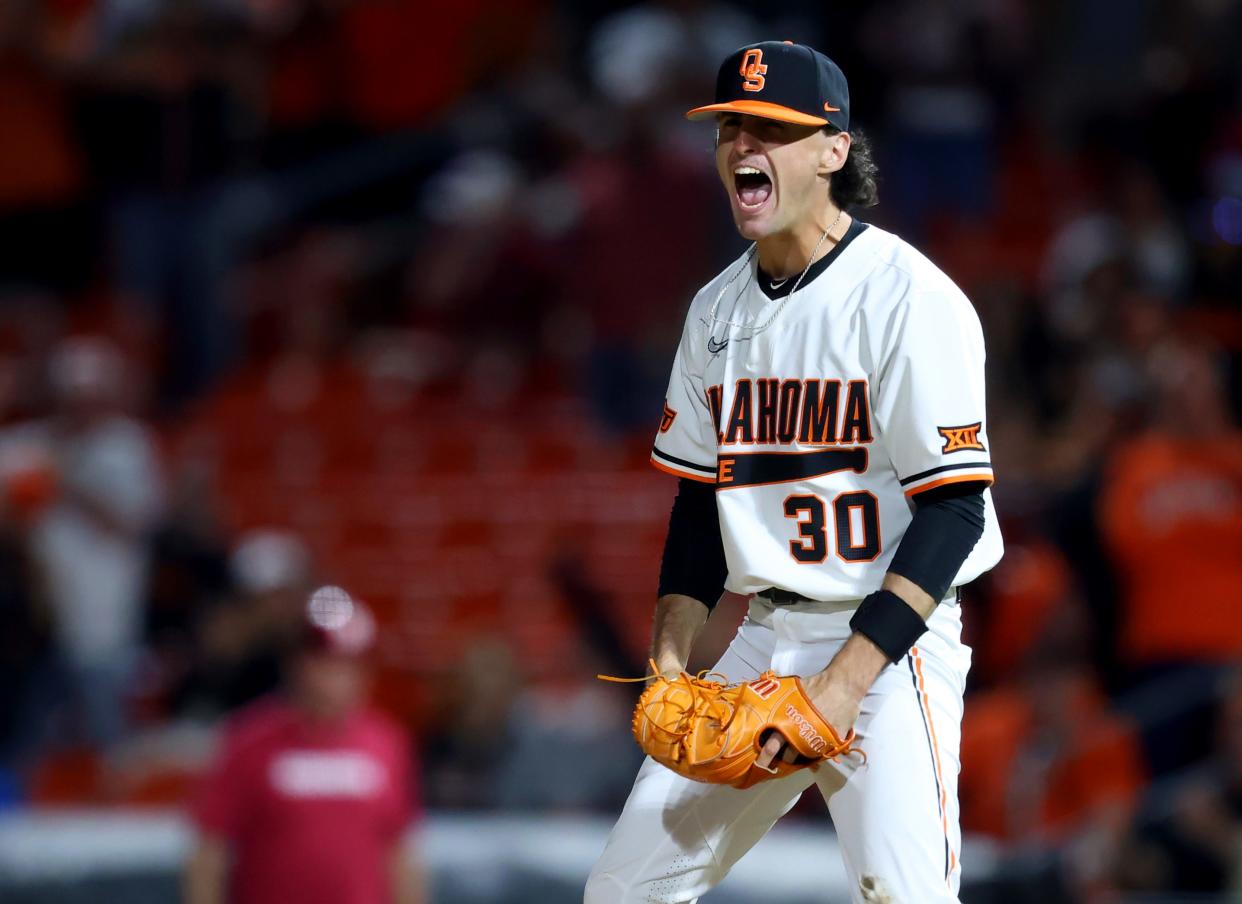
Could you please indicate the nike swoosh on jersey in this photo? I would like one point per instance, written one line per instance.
(715, 347)
(748, 469)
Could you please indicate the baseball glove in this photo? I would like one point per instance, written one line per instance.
(714, 732)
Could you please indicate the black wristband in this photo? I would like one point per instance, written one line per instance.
(887, 621)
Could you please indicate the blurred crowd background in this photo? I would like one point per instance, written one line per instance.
(385, 293)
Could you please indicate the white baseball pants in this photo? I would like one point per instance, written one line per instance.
(895, 814)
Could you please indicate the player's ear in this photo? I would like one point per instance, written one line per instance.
(833, 154)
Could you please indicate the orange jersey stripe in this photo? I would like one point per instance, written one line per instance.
(661, 466)
(981, 477)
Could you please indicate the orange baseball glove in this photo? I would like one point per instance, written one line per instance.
(714, 732)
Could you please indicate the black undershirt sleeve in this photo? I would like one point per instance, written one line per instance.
(948, 522)
(694, 562)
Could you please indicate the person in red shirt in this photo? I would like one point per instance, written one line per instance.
(312, 792)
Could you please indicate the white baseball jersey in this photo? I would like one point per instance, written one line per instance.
(820, 415)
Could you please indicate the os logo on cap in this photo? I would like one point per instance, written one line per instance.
(752, 70)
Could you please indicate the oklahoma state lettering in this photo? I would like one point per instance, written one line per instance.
(807, 412)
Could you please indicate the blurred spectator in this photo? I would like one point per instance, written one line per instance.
(1191, 841)
(1050, 769)
(243, 640)
(643, 187)
(166, 119)
(474, 720)
(587, 724)
(1126, 241)
(189, 573)
(1171, 511)
(492, 731)
(1025, 593)
(1172, 514)
(43, 227)
(592, 610)
(638, 53)
(25, 645)
(312, 793)
(88, 542)
(584, 719)
(486, 264)
(1044, 759)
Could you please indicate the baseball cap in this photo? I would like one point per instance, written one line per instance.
(781, 80)
(266, 560)
(337, 623)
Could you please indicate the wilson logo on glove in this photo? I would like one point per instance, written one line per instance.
(805, 730)
(765, 687)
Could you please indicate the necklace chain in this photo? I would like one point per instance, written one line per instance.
(750, 254)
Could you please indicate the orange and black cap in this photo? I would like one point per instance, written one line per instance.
(781, 80)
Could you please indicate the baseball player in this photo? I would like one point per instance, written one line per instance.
(826, 419)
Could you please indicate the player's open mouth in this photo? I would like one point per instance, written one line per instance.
(752, 186)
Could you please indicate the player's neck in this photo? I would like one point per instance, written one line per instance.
(786, 254)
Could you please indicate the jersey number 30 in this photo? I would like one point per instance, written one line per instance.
(855, 516)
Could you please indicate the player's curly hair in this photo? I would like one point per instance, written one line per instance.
(856, 183)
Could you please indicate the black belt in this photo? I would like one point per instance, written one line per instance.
(779, 597)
